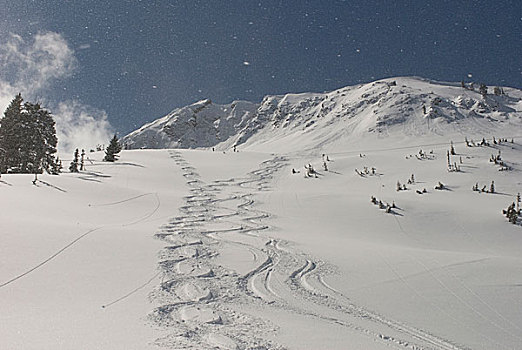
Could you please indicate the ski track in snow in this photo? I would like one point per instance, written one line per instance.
(47, 260)
(200, 297)
(465, 301)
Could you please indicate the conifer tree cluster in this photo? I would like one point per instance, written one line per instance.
(27, 139)
(77, 163)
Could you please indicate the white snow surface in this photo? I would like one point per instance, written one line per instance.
(202, 249)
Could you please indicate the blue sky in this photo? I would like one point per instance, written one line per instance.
(133, 61)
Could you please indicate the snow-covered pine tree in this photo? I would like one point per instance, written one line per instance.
(73, 167)
(111, 152)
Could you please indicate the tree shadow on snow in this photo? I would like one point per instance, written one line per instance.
(502, 194)
(130, 164)
(91, 176)
(5, 183)
(51, 185)
(445, 188)
(85, 178)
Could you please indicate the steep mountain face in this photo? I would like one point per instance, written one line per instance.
(202, 124)
(405, 106)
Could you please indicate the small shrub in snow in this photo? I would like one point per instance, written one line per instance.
(452, 149)
(511, 213)
(385, 206)
(483, 90)
(440, 186)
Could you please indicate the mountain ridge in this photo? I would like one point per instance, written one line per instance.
(408, 106)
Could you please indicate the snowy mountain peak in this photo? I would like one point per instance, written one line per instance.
(409, 106)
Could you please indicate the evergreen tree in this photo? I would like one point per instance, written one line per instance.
(39, 139)
(82, 161)
(9, 134)
(73, 167)
(27, 138)
(111, 152)
(57, 168)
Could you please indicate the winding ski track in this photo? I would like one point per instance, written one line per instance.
(199, 295)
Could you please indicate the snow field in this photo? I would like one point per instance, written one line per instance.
(421, 265)
(248, 255)
(284, 278)
(110, 212)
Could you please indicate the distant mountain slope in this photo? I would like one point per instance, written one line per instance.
(202, 124)
(405, 105)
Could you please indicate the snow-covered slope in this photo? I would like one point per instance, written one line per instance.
(404, 106)
(202, 124)
(250, 255)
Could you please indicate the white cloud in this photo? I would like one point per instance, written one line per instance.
(33, 67)
(79, 126)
